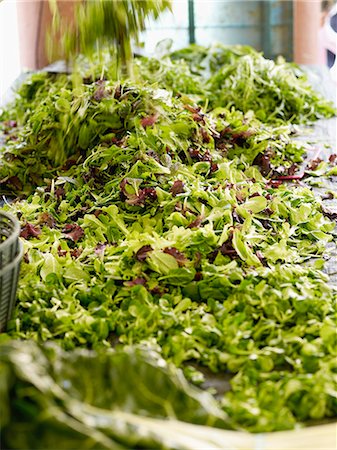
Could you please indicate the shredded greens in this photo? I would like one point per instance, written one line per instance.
(153, 215)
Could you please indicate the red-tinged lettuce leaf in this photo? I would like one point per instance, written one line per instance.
(143, 252)
(29, 230)
(177, 187)
(149, 121)
(180, 257)
(73, 231)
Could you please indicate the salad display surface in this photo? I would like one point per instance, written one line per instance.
(160, 233)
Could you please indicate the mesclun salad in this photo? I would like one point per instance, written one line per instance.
(154, 221)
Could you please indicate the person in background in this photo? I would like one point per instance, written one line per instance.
(34, 20)
(328, 37)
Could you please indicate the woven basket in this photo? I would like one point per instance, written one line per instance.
(11, 251)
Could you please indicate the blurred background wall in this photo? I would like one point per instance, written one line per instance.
(266, 25)
(10, 66)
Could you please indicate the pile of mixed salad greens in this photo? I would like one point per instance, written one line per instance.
(156, 223)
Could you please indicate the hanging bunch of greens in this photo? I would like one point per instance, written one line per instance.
(113, 24)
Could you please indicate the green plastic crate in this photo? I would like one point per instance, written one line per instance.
(11, 252)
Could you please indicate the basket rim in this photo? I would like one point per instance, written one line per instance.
(15, 261)
(15, 234)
